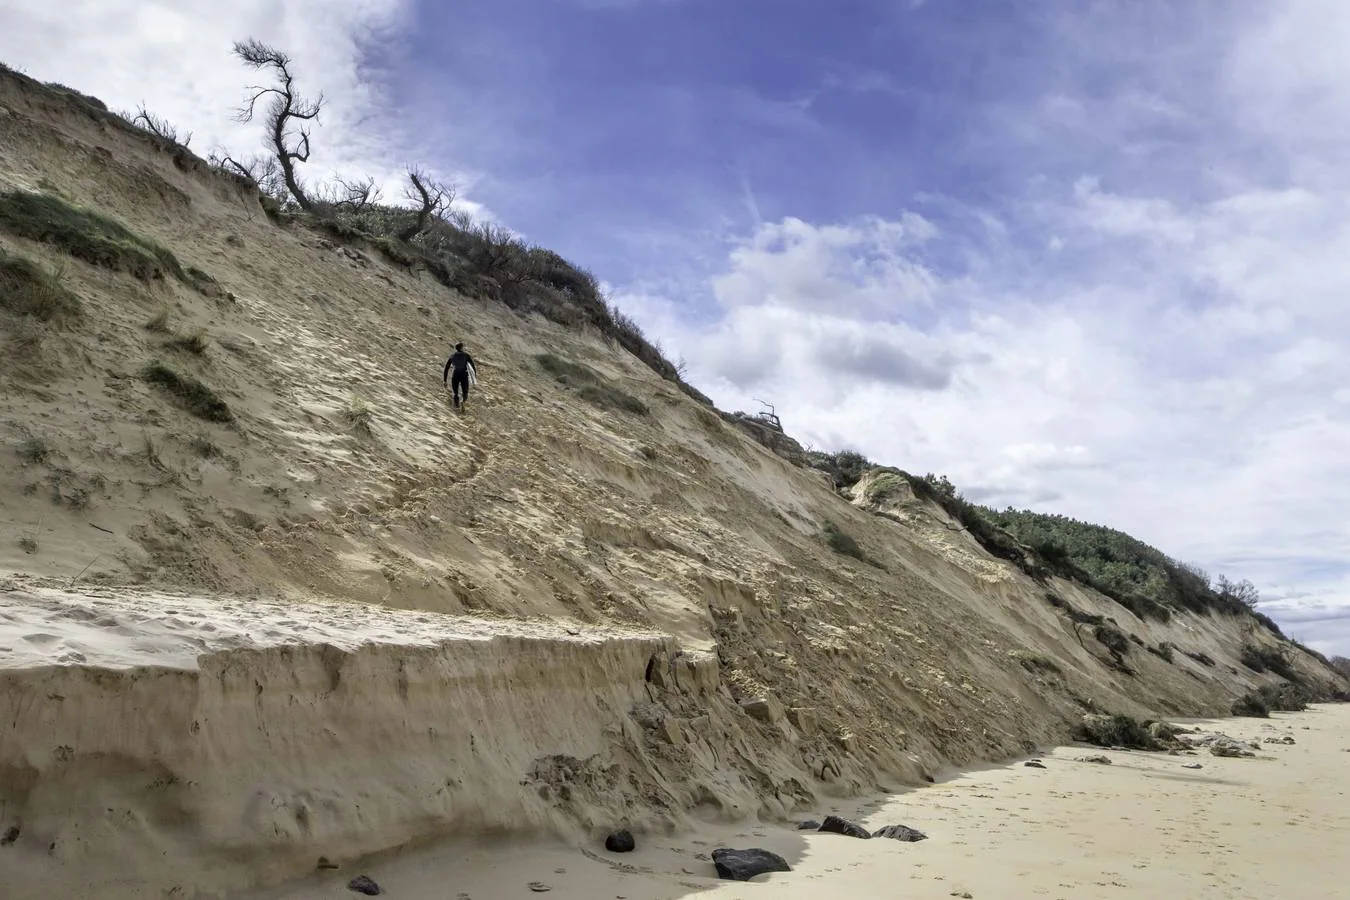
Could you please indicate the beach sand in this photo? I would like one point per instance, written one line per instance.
(1269, 827)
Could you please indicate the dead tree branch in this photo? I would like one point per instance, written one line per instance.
(288, 113)
(432, 197)
(159, 126)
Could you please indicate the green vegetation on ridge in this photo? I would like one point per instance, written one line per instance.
(1139, 577)
(85, 235)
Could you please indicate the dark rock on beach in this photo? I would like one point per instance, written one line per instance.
(363, 885)
(742, 865)
(836, 825)
(900, 833)
(620, 842)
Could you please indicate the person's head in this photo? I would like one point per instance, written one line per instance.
(459, 346)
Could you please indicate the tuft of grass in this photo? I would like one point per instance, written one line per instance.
(203, 446)
(33, 451)
(590, 385)
(159, 322)
(86, 235)
(842, 542)
(151, 454)
(1036, 662)
(190, 393)
(28, 289)
(1112, 638)
(192, 342)
(26, 343)
(359, 417)
(1203, 659)
(1163, 651)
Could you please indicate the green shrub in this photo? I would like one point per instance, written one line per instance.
(1250, 705)
(1116, 731)
(1263, 659)
(190, 393)
(27, 289)
(1112, 638)
(590, 385)
(1163, 651)
(85, 235)
(193, 342)
(842, 542)
(33, 451)
(1036, 662)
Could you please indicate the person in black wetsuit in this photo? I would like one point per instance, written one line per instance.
(459, 362)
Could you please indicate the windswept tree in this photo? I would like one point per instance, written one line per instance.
(158, 126)
(288, 117)
(348, 195)
(433, 199)
(1242, 591)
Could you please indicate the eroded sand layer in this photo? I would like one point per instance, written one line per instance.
(1269, 828)
(226, 744)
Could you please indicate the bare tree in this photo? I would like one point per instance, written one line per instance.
(348, 195)
(263, 171)
(157, 125)
(433, 199)
(1243, 591)
(288, 113)
(496, 252)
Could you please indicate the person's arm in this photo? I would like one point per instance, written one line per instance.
(445, 376)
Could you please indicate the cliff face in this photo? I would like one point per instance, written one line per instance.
(340, 615)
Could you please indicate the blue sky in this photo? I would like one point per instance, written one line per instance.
(1089, 257)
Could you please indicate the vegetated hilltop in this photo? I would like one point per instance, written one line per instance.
(270, 598)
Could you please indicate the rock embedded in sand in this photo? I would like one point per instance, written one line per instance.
(1228, 747)
(809, 825)
(363, 885)
(837, 825)
(742, 865)
(620, 842)
(1101, 760)
(900, 833)
(1034, 764)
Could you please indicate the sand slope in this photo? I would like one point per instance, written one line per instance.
(1268, 828)
(168, 571)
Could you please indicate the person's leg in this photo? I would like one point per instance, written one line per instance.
(460, 381)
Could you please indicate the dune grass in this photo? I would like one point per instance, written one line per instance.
(27, 289)
(191, 394)
(86, 235)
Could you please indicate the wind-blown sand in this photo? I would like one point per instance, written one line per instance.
(1258, 829)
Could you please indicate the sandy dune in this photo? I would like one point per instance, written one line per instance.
(1269, 828)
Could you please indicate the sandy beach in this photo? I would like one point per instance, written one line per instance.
(1263, 828)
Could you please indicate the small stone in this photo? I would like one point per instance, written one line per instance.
(900, 833)
(539, 887)
(1099, 759)
(1034, 764)
(326, 863)
(363, 885)
(837, 825)
(809, 825)
(742, 865)
(434, 520)
(1192, 766)
(620, 842)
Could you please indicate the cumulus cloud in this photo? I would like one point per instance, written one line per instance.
(1170, 360)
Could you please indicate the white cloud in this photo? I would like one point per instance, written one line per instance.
(1179, 382)
(176, 59)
